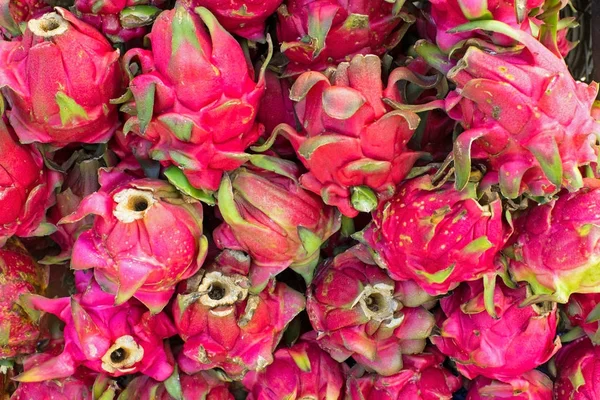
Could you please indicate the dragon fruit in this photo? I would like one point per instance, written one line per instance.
(195, 98)
(436, 236)
(204, 385)
(317, 34)
(576, 371)
(269, 216)
(15, 13)
(582, 311)
(26, 188)
(119, 20)
(243, 18)
(146, 238)
(532, 385)
(115, 340)
(223, 325)
(422, 378)
(449, 14)
(524, 115)
(360, 312)
(19, 324)
(519, 339)
(352, 144)
(302, 371)
(60, 102)
(555, 247)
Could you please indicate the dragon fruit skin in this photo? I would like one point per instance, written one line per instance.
(26, 188)
(437, 237)
(115, 340)
(555, 247)
(422, 378)
(243, 18)
(19, 274)
(74, 105)
(195, 98)
(302, 371)
(449, 14)
(224, 326)
(269, 216)
(351, 142)
(532, 385)
(163, 236)
(360, 312)
(205, 385)
(119, 20)
(316, 34)
(523, 114)
(13, 13)
(582, 311)
(577, 376)
(519, 340)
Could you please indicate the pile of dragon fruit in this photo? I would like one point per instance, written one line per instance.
(297, 200)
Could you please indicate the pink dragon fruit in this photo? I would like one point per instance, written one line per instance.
(14, 13)
(19, 324)
(244, 18)
(302, 371)
(422, 378)
(119, 20)
(518, 340)
(532, 385)
(224, 326)
(524, 116)
(436, 236)
(61, 102)
(352, 144)
(26, 188)
(583, 310)
(358, 311)
(205, 385)
(555, 247)
(449, 14)
(576, 371)
(195, 98)
(269, 216)
(146, 237)
(115, 340)
(317, 34)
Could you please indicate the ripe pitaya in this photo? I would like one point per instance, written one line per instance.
(422, 378)
(449, 14)
(556, 247)
(244, 18)
(205, 385)
(26, 188)
(115, 340)
(195, 98)
(358, 311)
(14, 14)
(302, 371)
(224, 326)
(59, 80)
(524, 116)
(532, 385)
(354, 147)
(576, 371)
(518, 340)
(316, 34)
(436, 236)
(19, 324)
(269, 216)
(119, 20)
(583, 311)
(146, 237)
